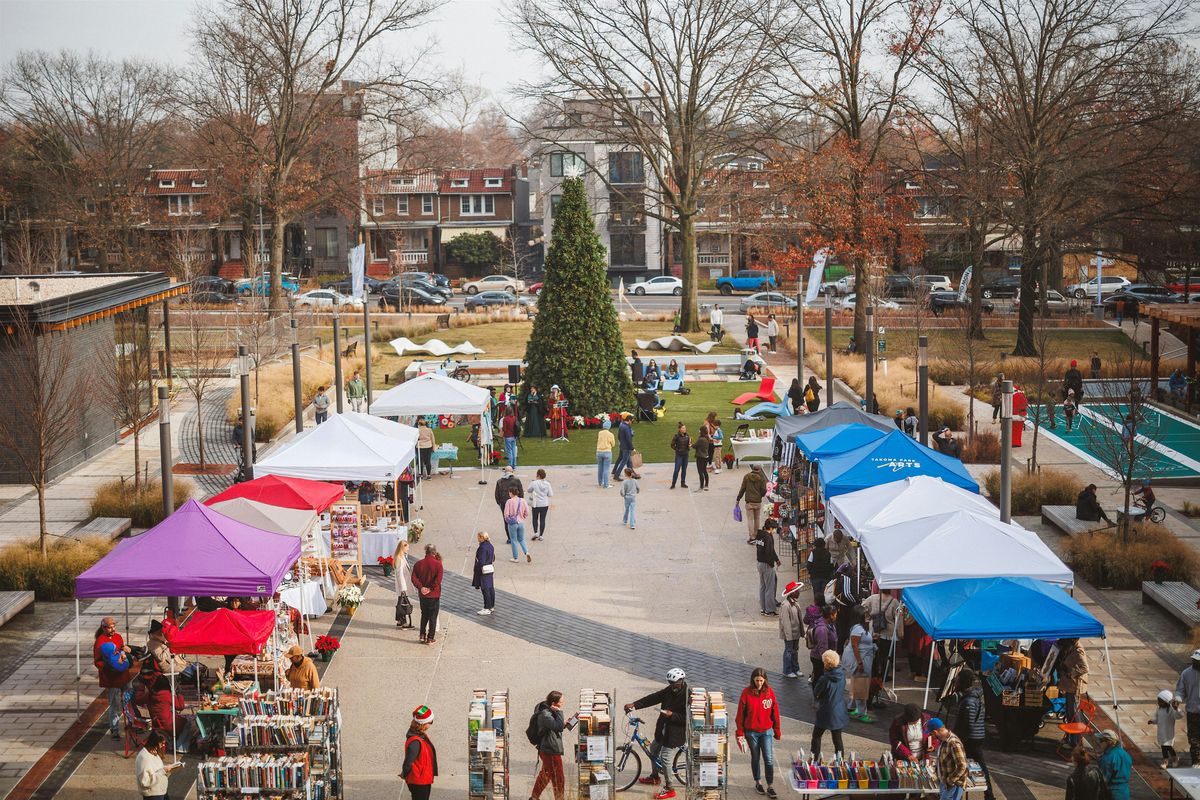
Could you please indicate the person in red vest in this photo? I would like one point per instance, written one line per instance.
(420, 757)
(115, 670)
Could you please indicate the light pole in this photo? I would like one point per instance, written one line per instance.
(800, 329)
(923, 386)
(1006, 412)
(828, 350)
(247, 426)
(870, 362)
(165, 467)
(367, 341)
(296, 378)
(337, 360)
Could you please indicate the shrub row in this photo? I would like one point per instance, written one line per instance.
(143, 506)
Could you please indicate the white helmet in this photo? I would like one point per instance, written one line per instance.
(676, 675)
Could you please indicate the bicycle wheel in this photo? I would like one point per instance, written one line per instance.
(679, 766)
(628, 765)
(1158, 514)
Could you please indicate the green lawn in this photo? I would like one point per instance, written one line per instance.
(652, 439)
(1078, 343)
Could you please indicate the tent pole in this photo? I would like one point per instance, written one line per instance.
(893, 661)
(1112, 687)
(128, 630)
(174, 713)
(929, 676)
(78, 663)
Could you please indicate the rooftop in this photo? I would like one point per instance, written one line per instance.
(64, 301)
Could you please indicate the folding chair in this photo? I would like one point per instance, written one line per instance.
(1084, 726)
(137, 727)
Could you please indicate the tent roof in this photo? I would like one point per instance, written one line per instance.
(195, 551)
(284, 492)
(903, 501)
(837, 439)
(892, 458)
(223, 632)
(300, 522)
(839, 413)
(999, 608)
(346, 447)
(958, 544)
(431, 393)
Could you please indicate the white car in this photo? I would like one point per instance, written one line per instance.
(1112, 283)
(934, 283)
(663, 284)
(849, 300)
(495, 283)
(1055, 302)
(326, 298)
(842, 286)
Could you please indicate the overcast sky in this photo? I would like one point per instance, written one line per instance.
(468, 33)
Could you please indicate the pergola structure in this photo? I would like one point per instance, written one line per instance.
(1186, 321)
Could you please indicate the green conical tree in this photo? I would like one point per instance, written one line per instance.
(576, 340)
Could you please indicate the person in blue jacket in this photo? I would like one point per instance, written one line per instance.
(1115, 764)
(624, 444)
(829, 695)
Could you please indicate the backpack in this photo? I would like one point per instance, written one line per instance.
(533, 731)
(831, 592)
(808, 395)
(879, 620)
(810, 635)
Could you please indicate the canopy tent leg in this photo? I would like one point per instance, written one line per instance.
(128, 630)
(1112, 687)
(893, 663)
(78, 662)
(928, 676)
(174, 712)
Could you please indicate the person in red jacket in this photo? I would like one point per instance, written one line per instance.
(907, 735)
(427, 577)
(420, 757)
(757, 720)
(154, 694)
(112, 680)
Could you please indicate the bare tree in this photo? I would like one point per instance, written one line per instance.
(201, 357)
(970, 357)
(677, 81)
(266, 338)
(27, 249)
(46, 400)
(124, 381)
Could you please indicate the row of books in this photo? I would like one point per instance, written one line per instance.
(594, 748)
(707, 710)
(595, 713)
(864, 774)
(288, 771)
(277, 731)
(487, 761)
(321, 702)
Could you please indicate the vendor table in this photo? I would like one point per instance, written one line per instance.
(313, 595)
(834, 792)
(445, 452)
(744, 449)
(1188, 781)
(375, 543)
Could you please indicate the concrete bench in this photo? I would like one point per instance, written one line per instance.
(442, 322)
(109, 527)
(1176, 598)
(1063, 518)
(13, 603)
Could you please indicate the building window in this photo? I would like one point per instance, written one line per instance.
(327, 243)
(628, 249)
(404, 181)
(166, 184)
(182, 206)
(754, 165)
(458, 183)
(928, 207)
(723, 210)
(760, 184)
(555, 201)
(476, 204)
(199, 184)
(625, 168)
(402, 204)
(89, 206)
(492, 183)
(377, 206)
(626, 208)
(426, 204)
(574, 118)
(562, 164)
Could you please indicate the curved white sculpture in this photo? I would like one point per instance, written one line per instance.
(675, 344)
(434, 347)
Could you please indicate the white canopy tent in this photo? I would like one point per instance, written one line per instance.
(958, 544)
(346, 447)
(902, 501)
(299, 522)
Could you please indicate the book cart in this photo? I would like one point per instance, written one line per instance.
(282, 745)
(487, 743)
(849, 776)
(707, 746)
(595, 748)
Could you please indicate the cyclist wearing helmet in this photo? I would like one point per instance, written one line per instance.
(1144, 496)
(671, 729)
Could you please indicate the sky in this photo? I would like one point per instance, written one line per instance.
(467, 34)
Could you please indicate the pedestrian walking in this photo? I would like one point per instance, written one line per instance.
(516, 514)
(703, 448)
(509, 430)
(795, 395)
(772, 331)
(625, 445)
(1165, 715)
(768, 560)
(150, 770)
(629, 493)
(718, 441)
(506, 481)
(427, 577)
(681, 444)
(1085, 782)
(820, 570)
(604, 453)
(1095, 365)
(829, 696)
(402, 578)
(356, 392)
(112, 658)
(953, 771)
(1119, 310)
(812, 394)
(425, 446)
(549, 730)
(669, 731)
(1187, 689)
(483, 575)
(321, 405)
(1050, 403)
(1115, 764)
(857, 658)
(756, 727)
(420, 757)
(969, 722)
(751, 333)
(754, 488)
(791, 629)
(995, 399)
(540, 492)
(716, 319)
(1069, 407)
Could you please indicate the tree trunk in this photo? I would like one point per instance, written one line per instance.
(41, 494)
(277, 304)
(249, 243)
(137, 451)
(689, 312)
(200, 427)
(1031, 268)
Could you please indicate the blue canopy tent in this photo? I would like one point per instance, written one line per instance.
(836, 440)
(1002, 608)
(892, 458)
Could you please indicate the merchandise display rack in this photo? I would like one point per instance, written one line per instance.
(851, 776)
(487, 744)
(595, 747)
(707, 746)
(283, 745)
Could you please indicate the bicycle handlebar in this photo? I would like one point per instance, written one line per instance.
(634, 720)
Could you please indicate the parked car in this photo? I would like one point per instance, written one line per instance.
(934, 283)
(490, 299)
(746, 280)
(411, 279)
(849, 300)
(412, 295)
(326, 298)
(1144, 293)
(662, 284)
(1189, 285)
(1005, 286)
(436, 278)
(346, 285)
(1056, 303)
(536, 289)
(839, 288)
(495, 283)
(211, 283)
(262, 285)
(1112, 283)
(898, 286)
(767, 300)
(944, 301)
(211, 299)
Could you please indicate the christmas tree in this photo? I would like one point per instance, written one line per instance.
(576, 340)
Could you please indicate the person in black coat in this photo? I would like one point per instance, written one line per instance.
(1087, 506)
(969, 722)
(820, 570)
(795, 395)
(670, 732)
(535, 414)
(550, 727)
(484, 580)
(1086, 782)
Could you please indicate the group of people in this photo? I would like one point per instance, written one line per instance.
(754, 330)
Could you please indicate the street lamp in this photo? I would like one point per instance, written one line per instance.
(828, 350)
(1006, 413)
(870, 360)
(299, 401)
(923, 386)
(337, 359)
(247, 426)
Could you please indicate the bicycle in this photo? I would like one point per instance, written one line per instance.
(628, 763)
(461, 373)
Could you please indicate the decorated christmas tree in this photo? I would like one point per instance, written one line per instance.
(576, 340)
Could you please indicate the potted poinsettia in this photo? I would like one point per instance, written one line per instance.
(387, 562)
(349, 598)
(1159, 571)
(327, 646)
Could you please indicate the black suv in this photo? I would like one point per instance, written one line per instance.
(943, 301)
(898, 286)
(1008, 286)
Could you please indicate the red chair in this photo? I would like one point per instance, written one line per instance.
(137, 727)
(766, 391)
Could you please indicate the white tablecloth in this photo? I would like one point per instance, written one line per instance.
(374, 544)
(314, 598)
(744, 449)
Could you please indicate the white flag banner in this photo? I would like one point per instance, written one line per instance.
(816, 275)
(358, 258)
(965, 283)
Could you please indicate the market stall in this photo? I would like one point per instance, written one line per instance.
(298, 522)
(839, 413)
(284, 492)
(892, 458)
(346, 447)
(902, 501)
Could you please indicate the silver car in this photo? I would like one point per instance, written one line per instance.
(766, 300)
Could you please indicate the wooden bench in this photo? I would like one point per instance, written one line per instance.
(442, 322)
(1063, 518)
(109, 527)
(1176, 598)
(13, 603)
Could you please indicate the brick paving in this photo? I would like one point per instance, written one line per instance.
(218, 445)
